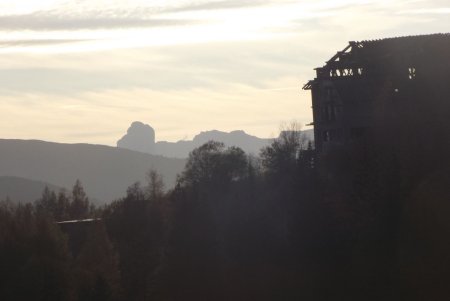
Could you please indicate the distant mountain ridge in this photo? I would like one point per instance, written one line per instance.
(104, 171)
(181, 149)
(141, 137)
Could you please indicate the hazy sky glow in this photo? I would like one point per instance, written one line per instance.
(83, 70)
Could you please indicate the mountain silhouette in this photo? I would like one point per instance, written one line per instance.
(141, 137)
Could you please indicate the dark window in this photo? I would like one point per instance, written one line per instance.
(330, 111)
(329, 94)
(332, 135)
(326, 135)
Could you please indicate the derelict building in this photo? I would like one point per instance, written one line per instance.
(369, 77)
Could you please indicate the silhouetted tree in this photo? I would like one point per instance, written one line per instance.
(281, 158)
(48, 202)
(79, 206)
(155, 189)
(63, 205)
(136, 227)
(211, 165)
(97, 267)
(34, 258)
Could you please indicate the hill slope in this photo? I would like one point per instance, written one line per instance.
(105, 172)
(23, 190)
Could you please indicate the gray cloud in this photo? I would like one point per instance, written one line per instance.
(224, 4)
(38, 42)
(48, 21)
(184, 67)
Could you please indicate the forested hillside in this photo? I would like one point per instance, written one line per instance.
(237, 227)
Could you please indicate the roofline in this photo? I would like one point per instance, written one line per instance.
(402, 37)
(361, 44)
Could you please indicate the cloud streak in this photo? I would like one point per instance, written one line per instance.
(182, 67)
(38, 42)
(428, 11)
(52, 22)
(221, 5)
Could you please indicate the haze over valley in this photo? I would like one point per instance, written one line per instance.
(104, 171)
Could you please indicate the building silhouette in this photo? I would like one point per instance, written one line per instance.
(370, 83)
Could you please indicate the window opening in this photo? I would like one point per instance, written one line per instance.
(411, 73)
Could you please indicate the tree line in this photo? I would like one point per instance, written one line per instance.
(278, 226)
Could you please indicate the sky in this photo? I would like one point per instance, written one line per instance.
(81, 71)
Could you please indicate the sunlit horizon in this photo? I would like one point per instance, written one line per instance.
(82, 71)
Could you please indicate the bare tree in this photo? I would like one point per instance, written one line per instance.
(155, 189)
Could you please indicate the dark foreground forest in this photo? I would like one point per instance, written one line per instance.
(366, 224)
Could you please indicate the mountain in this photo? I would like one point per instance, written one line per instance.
(23, 190)
(141, 137)
(181, 149)
(104, 171)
